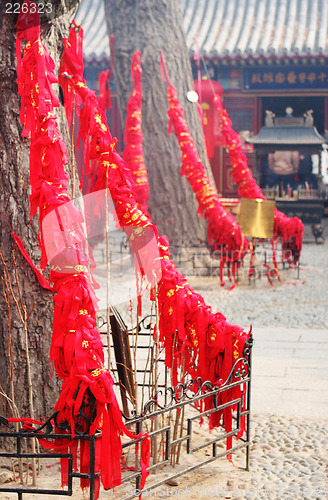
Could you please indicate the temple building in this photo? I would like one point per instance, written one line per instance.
(268, 56)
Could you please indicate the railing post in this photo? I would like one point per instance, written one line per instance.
(92, 467)
(167, 444)
(189, 427)
(138, 478)
(248, 419)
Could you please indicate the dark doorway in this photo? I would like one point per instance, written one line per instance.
(300, 105)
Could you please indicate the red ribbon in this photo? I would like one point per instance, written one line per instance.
(133, 151)
(41, 279)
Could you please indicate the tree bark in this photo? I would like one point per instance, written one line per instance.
(149, 26)
(14, 202)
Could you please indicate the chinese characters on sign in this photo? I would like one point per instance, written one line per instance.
(300, 78)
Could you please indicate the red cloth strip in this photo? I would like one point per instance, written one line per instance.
(41, 279)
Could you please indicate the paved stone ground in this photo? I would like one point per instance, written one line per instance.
(290, 370)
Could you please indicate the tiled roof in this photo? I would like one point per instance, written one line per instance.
(233, 28)
(285, 135)
(91, 14)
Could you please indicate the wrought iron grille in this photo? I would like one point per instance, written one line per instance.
(166, 401)
(49, 434)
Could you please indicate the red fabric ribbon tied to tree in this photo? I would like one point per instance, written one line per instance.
(224, 234)
(133, 151)
(71, 64)
(104, 98)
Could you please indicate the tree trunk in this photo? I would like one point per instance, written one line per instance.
(14, 202)
(149, 26)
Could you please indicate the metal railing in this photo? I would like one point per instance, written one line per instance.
(190, 393)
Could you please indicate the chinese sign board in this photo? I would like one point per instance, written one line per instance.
(289, 78)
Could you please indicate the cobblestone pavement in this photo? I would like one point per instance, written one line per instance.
(296, 303)
(288, 461)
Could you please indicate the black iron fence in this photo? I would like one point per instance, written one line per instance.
(165, 402)
(22, 439)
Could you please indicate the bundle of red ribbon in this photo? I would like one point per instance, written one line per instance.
(104, 98)
(224, 234)
(133, 151)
